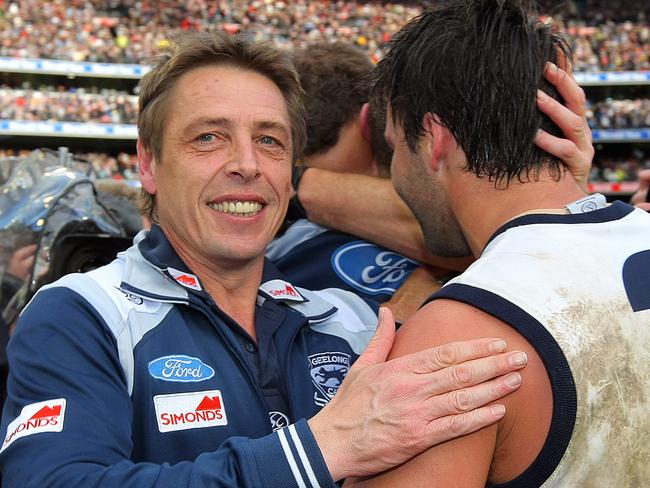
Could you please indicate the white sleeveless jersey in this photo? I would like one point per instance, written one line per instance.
(578, 288)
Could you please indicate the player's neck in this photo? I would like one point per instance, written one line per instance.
(488, 208)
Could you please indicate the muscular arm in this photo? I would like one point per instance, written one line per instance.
(472, 460)
(368, 207)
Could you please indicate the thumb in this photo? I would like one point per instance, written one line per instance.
(380, 344)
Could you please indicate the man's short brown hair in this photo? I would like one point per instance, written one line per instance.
(197, 49)
(337, 79)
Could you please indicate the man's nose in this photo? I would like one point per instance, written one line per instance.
(244, 160)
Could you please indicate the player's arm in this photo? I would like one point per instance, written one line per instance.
(469, 461)
(368, 207)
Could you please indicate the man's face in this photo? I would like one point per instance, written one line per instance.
(224, 182)
(424, 191)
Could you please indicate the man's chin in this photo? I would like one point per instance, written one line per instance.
(238, 257)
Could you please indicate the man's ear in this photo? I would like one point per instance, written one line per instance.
(437, 138)
(146, 165)
(364, 121)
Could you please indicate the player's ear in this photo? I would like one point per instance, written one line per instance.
(146, 165)
(436, 140)
(364, 121)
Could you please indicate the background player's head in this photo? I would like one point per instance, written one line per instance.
(345, 130)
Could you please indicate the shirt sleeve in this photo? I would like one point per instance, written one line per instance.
(68, 417)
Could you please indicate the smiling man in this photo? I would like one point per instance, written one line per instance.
(190, 361)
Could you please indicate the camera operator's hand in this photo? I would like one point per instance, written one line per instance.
(642, 196)
(576, 150)
(386, 412)
(22, 261)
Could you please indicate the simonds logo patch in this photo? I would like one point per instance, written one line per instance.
(36, 418)
(197, 410)
(180, 368)
(370, 268)
(186, 279)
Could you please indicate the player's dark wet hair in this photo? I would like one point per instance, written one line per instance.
(477, 64)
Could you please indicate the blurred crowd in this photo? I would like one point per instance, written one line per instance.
(610, 35)
(606, 36)
(619, 114)
(121, 165)
(117, 107)
(129, 31)
(71, 105)
(619, 169)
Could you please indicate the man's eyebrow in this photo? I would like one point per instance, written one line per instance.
(205, 123)
(273, 125)
(208, 122)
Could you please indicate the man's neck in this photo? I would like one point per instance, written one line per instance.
(233, 286)
(481, 208)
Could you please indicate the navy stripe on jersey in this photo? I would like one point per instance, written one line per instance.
(636, 279)
(615, 211)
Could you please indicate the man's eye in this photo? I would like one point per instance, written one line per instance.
(268, 140)
(206, 138)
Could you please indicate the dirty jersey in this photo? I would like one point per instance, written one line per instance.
(577, 287)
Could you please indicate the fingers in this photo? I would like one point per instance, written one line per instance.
(380, 344)
(566, 85)
(576, 149)
(573, 125)
(559, 147)
(453, 426)
(641, 195)
(463, 411)
(475, 372)
(466, 399)
(437, 358)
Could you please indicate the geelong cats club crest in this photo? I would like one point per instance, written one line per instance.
(328, 370)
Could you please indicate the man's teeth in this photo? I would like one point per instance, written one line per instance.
(240, 209)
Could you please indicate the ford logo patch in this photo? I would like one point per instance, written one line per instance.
(180, 368)
(370, 268)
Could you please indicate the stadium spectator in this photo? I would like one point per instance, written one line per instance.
(620, 114)
(620, 168)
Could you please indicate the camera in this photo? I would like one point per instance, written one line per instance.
(53, 221)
